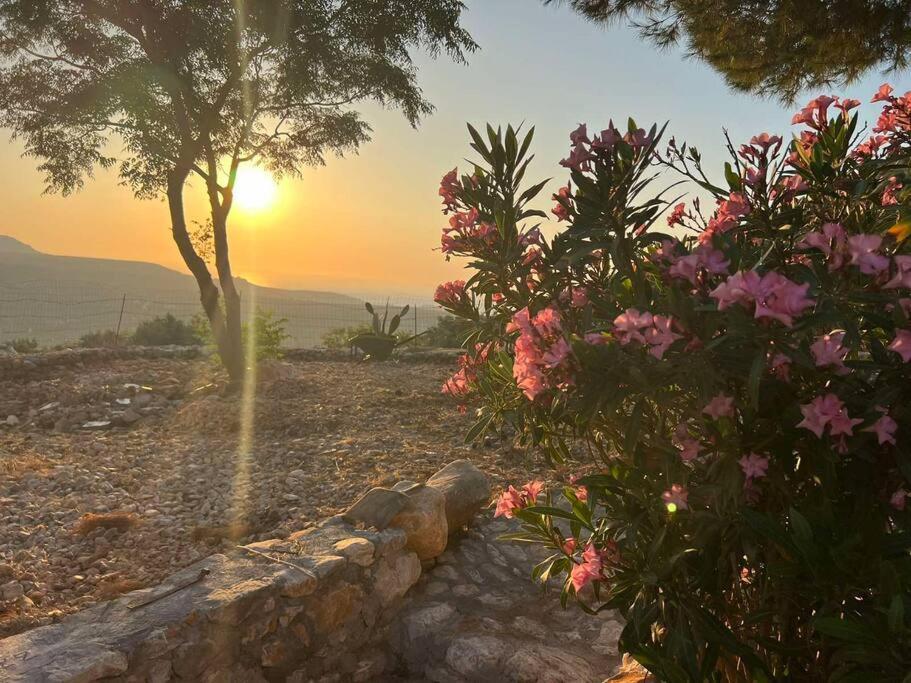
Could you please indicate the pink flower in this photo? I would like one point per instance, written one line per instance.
(754, 466)
(661, 335)
(579, 158)
(450, 294)
(675, 498)
(579, 297)
(563, 197)
(608, 138)
(883, 94)
(828, 351)
(703, 257)
(457, 385)
(898, 499)
(827, 410)
(511, 499)
(902, 277)
(780, 365)
(774, 295)
(450, 187)
(720, 406)
(890, 196)
(884, 428)
(580, 135)
(569, 545)
(688, 446)
(557, 353)
(582, 493)
(596, 338)
(676, 216)
(628, 324)
(902, 345)
(831, 240)
(862, 249)
(532, 490)
(589, 570)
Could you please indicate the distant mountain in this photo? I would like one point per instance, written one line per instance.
(10, 245)
(57, 299)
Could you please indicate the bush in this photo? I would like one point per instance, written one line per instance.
(22, 345)
(741, 379)
(340, 337)
(164, 331)
(269, 332)
(450, 332)
(100, 338)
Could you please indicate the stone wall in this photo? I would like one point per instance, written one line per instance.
(316, 606)
(18, 366)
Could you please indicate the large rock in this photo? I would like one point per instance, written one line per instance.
(465, 489)
(376, 508)
(423, 520)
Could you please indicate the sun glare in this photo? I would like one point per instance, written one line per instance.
(255, 189)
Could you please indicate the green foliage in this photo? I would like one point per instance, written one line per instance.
(22, 345)
(340, 337)
(449, 332)
(161, 91)
(165, 330)
(381, 341)
(742, 385)
(269, 333)
(771, 47)
(100, 338)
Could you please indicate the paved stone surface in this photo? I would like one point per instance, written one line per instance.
(477, 616)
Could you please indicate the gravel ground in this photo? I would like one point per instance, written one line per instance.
(155, 440)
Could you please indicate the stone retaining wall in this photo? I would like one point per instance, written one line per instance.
(316, 606)
(15, 366)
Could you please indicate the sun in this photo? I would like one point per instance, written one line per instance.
(255, 189)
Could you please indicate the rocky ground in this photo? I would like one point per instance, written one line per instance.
(174, 470)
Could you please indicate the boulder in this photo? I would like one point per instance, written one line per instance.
(423, 519)
(465, 489)
(376, 508)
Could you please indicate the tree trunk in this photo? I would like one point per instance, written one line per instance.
(231, 295)
(226, 333)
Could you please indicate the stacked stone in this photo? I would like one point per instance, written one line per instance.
(316, 606)
(16, 366)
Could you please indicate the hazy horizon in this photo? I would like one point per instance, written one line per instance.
(369, 224)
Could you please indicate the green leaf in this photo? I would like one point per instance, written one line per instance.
(755, 378)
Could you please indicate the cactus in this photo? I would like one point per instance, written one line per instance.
(382, 342)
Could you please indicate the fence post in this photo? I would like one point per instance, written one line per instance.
(123, 304)
(415, 325)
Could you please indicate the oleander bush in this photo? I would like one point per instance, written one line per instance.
(740, 377)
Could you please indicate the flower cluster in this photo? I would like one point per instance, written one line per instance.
(512, 499)
(743, 385)
(543, 354)
(655, 331)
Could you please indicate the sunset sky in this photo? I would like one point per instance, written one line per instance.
(371, 222)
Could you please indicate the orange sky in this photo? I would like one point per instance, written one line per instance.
(370, 223)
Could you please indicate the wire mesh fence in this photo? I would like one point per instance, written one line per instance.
(61, 314)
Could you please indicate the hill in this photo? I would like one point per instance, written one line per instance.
(57, 299)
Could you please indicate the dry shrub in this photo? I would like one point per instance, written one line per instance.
(107, 590)
(105, 520)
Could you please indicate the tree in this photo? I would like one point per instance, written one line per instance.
(772, 47)
(170, 89)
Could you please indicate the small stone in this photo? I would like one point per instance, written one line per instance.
(296, 583)
(360, 551)
(129, 416)
(11, 591)
(477, 657)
